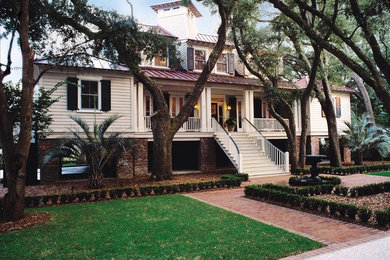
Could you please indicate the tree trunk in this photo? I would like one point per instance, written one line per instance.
(162, 147)
(304, 127)
(363, 91)
(16, 154)
(15, 172)
(328, 108)
(359, 158)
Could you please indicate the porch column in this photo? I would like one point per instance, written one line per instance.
(203, 112)
(140, 107)
(208, 109)
(133, 102)
(251, 106)
(246, 104)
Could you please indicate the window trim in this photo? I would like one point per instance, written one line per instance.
(205, 58)
(338, 115)
(89, 110)
(226, 63)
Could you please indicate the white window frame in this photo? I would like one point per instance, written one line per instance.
(99, 99)
(227, 64)
(205, 58)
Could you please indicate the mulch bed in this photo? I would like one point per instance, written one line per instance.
(30, 220)
(82, 185)
(379, 201)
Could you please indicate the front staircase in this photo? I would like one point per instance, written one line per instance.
(254, 161)
(251, 152)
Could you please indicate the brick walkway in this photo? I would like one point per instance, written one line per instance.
(361, 179)
(336, 234)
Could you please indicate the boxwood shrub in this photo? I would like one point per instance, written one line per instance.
(346, 170)
(275, 193)
(116, 193)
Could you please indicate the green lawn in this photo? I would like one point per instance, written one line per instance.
(152, 227)
(386, 174)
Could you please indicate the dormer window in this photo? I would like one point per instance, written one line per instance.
(176, 7)
(222, 63)
(167, 9)
(160, 61)
(200, 59)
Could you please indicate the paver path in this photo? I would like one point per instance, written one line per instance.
(319, 228)
(336, 234)
(361, 179)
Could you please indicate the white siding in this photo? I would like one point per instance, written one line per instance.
(318, 124)
(120, 102)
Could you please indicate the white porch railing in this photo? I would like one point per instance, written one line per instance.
(268, 124)
(277, 156)
(227, 144)
(192, 124)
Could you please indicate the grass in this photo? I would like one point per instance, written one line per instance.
(386, 174)
(161, 227)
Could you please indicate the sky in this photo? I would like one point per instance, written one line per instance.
(142, 12)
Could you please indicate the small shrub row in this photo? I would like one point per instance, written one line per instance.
(242, 176)
(106, 194)
(383, 217)
(369, 189)
(346, 170)
(294, 181)
(304, 191)
(334, 209)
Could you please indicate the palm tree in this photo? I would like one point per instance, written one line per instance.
(93, 149)
(362, 135)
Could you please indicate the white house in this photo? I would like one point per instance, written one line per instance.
(257, 145)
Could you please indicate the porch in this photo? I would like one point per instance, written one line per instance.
(214, 103)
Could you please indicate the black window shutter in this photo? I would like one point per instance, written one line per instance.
(72, 93)
(231, 63)
(190, 58)
(106, 95)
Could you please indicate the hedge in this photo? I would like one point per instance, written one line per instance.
(116, 193)
(305, 191)
(334, 209)
(242, 176)
(293, 181)
(345, 170)
(369, 189)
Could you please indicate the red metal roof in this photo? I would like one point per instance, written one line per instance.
(158, 29)
(192, 76)
(303, 82)
(191, 6)
(208, 39)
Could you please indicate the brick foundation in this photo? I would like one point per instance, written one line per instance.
(347, 155)
(135, 160)
(51, 171)
(207, 155)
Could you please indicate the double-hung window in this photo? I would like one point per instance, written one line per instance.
(200, 59)
(89, 95)
(222, 63)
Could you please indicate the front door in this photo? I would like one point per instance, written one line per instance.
(217, 112)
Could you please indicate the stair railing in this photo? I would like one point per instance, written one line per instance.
(276, 155)
(231, 149)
